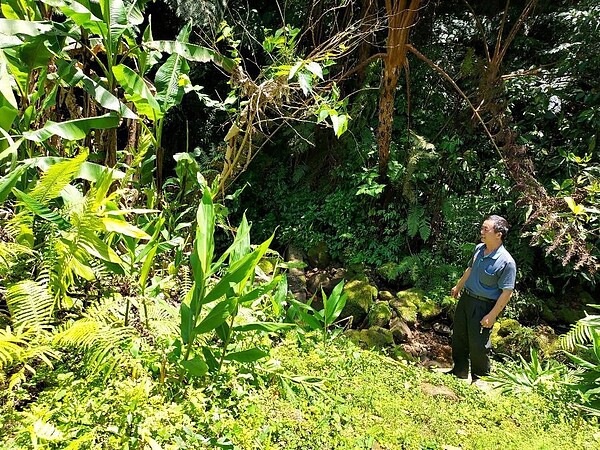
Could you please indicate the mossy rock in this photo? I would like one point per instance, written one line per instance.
(386, 296)
(569, 314)
(412, 303)
(318, 255)
(374, 337)
(428, 309)
(547, 314)
(512, 339)
(406, 310)
(379, 315)
(360, 299)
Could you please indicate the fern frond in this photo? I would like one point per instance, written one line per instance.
(99, 343)
(162, 317)
(56, 178)
(580, 333)
(22, 346)
(10, 252)
(29, 303)
(11, 348)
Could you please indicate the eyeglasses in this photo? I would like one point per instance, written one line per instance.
(486, 229)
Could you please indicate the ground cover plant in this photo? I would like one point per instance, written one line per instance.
(193, 195)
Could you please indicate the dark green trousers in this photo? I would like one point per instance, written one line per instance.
(469, 340)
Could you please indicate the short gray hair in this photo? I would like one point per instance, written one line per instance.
(500, 225)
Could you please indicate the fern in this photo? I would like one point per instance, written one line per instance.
(29, 303)
(581, 333)
(53, 181)
(99, 336)
(21, 347)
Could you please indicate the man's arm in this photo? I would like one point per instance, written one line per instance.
(461, 283)
(489, 319)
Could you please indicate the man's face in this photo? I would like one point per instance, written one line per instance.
(488, 235)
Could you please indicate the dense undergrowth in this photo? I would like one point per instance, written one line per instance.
(310, 395)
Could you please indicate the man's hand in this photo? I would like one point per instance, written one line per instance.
(455, 291)
(488, 321)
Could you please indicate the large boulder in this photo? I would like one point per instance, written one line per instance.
(413, 303)
(360, 299)
(318, 255)
(406, 309)
(369, 338)
(400, 330)
(379, 315)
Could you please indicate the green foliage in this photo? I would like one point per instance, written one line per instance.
(587, 361)
(233, 290)
(312, 319)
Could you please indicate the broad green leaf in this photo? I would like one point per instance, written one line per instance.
(295, 69)
(81, 268)
(241, 243)
(216, 316)
(123, 227)
(10, 180)
(145, 270)
(340, 123)
(41, 210)
(87, 171)
(261, 290)
(137, 91)
(192, 52)
(11, 29)
(305, 81)
(210, 359)
(73, 129)
(334, 304)
(8, 103)
(269, 327)
(168, 82)
(75, 77)
(204, 243)
(195, 367)
(81, 15)
(254, 354)
(239, 272)
(98, 248)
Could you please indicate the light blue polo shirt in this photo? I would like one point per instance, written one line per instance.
(492, 273)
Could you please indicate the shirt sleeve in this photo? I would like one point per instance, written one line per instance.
(508, 276)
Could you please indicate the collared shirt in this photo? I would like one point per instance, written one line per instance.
(492, 273)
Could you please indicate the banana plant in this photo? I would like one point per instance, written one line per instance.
(222, 298)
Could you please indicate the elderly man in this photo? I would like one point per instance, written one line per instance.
(484, 290)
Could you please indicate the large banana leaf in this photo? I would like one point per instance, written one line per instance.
(73, 129)
(81, 15)
(8, 103)
(11, 30)
(75, 77)
(169, 81)
(137, 91)
(192, 52)
(87, 171)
